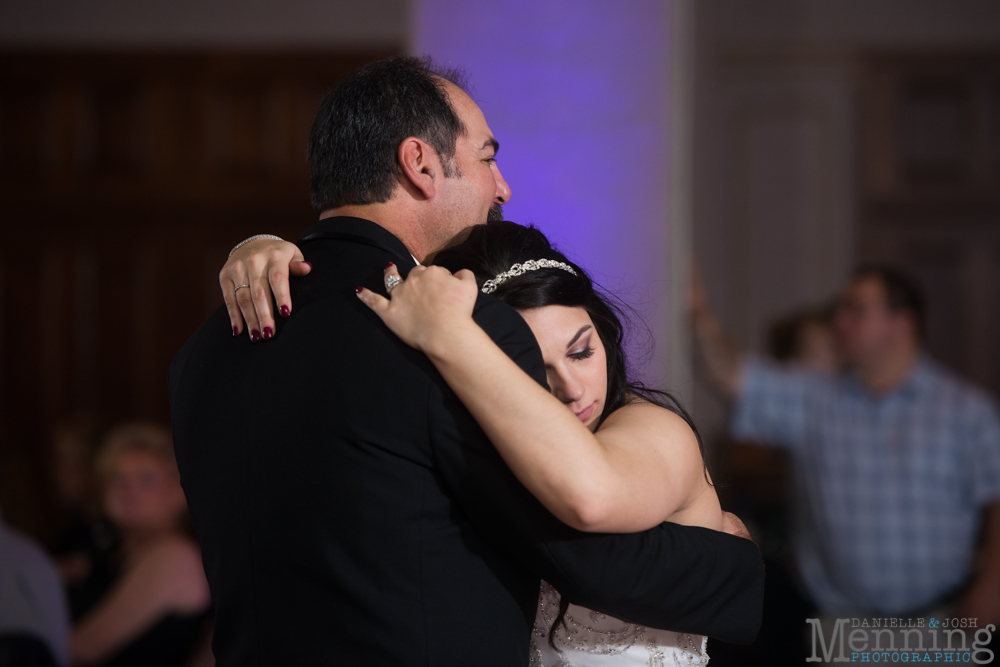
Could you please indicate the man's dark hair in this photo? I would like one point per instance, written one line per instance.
(901, 292)
(354, 142)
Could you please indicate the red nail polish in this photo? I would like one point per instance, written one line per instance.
(358, 289)
(285, 312)
(268, 333)
(236, 330)
(254, 336)
(389, 265)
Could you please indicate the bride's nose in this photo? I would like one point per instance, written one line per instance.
(566, 387)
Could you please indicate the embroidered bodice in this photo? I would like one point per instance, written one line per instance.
(593, 639)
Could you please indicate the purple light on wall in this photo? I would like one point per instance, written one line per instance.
(577, 95)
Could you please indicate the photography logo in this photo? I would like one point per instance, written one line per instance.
(901, 640)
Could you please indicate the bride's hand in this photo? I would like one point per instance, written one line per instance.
(264, 265)
(428, 307)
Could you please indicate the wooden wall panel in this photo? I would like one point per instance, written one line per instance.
(930, 193)
(124, 180)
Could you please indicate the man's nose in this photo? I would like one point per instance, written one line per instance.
(503, 190)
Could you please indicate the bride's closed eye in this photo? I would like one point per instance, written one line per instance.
(581, 344)
(582, 337)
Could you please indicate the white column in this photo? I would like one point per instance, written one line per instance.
(580, 96)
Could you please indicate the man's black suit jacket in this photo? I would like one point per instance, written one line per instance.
(351, 511)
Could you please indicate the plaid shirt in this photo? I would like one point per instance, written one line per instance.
(889, 488)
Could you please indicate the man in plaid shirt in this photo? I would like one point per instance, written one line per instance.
(897, 461)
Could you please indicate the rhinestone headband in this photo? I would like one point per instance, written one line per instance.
(519, 269)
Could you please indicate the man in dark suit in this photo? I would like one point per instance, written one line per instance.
(350, 509)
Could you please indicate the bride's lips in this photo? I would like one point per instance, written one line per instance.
(584, 414)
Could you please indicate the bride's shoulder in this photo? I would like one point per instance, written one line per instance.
(650, 428)
(640, 412)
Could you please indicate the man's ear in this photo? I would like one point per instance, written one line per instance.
(420, 165)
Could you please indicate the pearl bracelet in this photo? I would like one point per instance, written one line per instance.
(254, 238)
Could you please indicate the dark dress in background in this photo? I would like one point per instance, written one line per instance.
(168, 643)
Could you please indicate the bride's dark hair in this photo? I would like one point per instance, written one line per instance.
(495, 247)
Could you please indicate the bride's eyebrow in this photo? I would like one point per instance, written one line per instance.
(579, 333)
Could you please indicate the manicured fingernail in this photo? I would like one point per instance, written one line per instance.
(254, 336)
(389, 265)
(236, 330)
(268, 333)
(309, 263)
(359, 289)
(285, 312)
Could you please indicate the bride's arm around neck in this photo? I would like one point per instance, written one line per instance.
(641, 467)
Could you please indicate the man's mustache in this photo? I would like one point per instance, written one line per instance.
(495, 213)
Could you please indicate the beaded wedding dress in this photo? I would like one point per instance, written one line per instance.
(592, 639)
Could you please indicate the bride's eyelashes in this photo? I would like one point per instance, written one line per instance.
(582, 337)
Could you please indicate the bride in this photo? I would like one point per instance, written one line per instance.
(621, 458)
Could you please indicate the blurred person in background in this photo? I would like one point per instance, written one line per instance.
(806, 339)
(85, 540)
(150, 607)
(756, 483)
(897, 460)
(757, 475)
(34, 621)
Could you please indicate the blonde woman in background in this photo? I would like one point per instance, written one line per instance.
(150, 608)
